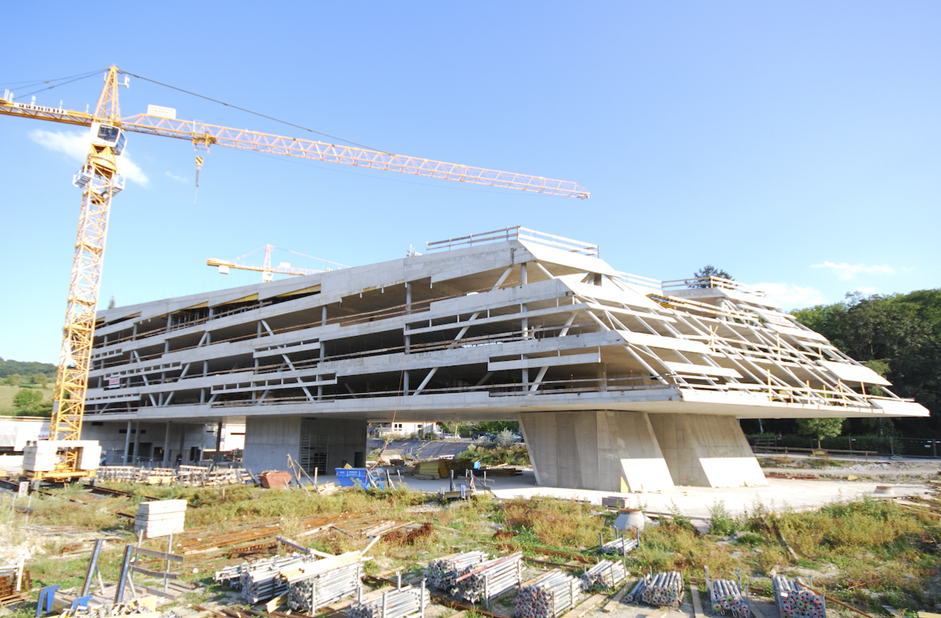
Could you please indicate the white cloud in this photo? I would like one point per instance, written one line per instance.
(867, 291)
(791, 296)
(849, 271)
(75, 147)
(182, 179)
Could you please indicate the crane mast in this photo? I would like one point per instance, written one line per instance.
(65, 456)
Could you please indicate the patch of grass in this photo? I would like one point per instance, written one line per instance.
(555, 523)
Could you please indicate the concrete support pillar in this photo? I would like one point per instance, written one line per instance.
(405, 383)
(215, 456)
(127, 441)
(182, 442)
(596, 449)
(166, 445)
(137, 440)
(706, 450)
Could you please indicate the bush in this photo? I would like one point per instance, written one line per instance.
(721, 522)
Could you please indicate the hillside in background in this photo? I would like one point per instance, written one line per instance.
(26, 369)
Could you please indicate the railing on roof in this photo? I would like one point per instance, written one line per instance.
(637, 281)
(515, 233)
(711, 282)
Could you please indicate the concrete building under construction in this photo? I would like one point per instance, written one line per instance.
(619, 382)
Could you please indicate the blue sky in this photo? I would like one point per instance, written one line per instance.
(796, 145)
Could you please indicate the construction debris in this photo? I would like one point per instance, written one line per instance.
(551, 595)
(728, 596)
(606, 575)
(794, 600)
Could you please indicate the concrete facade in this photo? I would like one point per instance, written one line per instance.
(505, 325)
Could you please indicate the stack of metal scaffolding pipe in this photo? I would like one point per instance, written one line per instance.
(796, 601)
(311, 593)
(396, 603)
(604, 576)
(443, 571)
(727, 596)
(663, 590)
(636, 592)
(261, 580)
(552, 594)
(490, 579)
(620, 546)
(229, 575)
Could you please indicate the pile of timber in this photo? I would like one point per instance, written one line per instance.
(490, 579)
(160, 518)
(314, 584)
(394, 603)
(552, 594)
(443, 571)
(605, 575)
(794, 600)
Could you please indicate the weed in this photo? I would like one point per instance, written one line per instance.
(721, 522)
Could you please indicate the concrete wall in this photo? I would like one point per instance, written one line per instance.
(599, 449)
(706, 451)
(343, 441)
(268, 441)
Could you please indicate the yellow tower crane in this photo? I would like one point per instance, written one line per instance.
(266, 269)
(65, 456)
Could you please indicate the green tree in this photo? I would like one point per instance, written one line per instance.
(708, 271)
(14, 379)
(39, 379)
(111, 303)
(27, 401)
(820, 428)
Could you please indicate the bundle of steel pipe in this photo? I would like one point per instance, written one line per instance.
(311, 593)
(604, 576)
(229, 574)
(260, 580)
(620, 546)
(490, 579)
(443, 571)
(795, 601)
(634, 595)
(551, 595)
(396, 603)
(663, 590)
(726, 596)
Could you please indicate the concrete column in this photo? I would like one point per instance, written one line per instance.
(182, 441)
(127, 441)
(706, 450)
(137, 440)
(215, 456)
(596, 449)
(166, 444)
(405, 382)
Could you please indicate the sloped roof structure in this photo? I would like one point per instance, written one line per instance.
(512, 324)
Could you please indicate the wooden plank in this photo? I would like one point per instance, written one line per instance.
(697, 602)
(585, 606)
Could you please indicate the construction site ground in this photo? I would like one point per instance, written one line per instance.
(795, 484)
